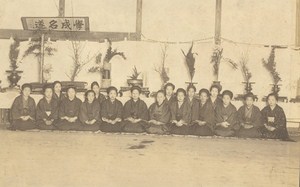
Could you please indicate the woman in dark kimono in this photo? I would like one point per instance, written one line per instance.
(250, 118)
(214, 95)
(58, 95)
(69, 111)
(23, 111)
(204, 123)
(169, 90)
(226, 116)
(193, 102)
(89, 114)
(180, 114)
(135, 112)
(47, 110)
(111, 112)
(159, 113)
(99, 96)
(274, 120)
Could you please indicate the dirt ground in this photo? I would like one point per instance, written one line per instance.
(71, 159)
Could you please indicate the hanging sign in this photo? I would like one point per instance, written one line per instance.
(56, 23)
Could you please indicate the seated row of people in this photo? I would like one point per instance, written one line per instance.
(180, 113)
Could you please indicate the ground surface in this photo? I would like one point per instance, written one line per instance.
(84, 159)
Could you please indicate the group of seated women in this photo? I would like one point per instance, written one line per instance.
(182, 113)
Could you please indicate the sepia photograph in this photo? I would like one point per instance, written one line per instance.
(186, 93)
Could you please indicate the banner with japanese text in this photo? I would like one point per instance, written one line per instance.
(56, 23)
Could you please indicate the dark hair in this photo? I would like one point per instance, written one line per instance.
(204, 90)
(56, 82)
(136, 88)
(47, 86)
(71, 87)
(250, 94)
(191, 87)
(95, 83)
(87, 93)
(227, 92)
(181, 90)
(215, 86)
(26, 85)
(274, 95)
(109, 89)
(160, 91)
(169, 84)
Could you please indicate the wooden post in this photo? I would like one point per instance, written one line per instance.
(41, 76)
(297, 37)
(218, 17)
(61, 11)
(139, 19)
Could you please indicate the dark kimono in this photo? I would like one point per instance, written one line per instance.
(194, 104)
(111, 110)
(136, 110)
(251, 116)
(71, 109)
(22, 107)
(228, 114)
(47, 111)
(159, 113)
(180, 113)
(171, 99)
(100, 98)
(59, 98)
(88, 112)
(216, 103)
(279, 123)
(206, 113)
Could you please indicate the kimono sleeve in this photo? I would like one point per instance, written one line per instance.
(61, 112)
(103, 111)
(32, 108)
(96, 111)
(40, 113)
(144, 111)
(218, 114)
(15, 111)
(187, 114)
(127, 109)
(119, 112)
(281, 119)
(83, 116)
(166, 114)
(195, 110)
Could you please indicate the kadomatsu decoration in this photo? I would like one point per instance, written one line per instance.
(190, 62)
(270, 66)
(14, 51)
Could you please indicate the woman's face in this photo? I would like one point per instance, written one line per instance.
(272, 101)
(169, 90)
(96, 89)
(90, 97)
(48, 93)
(26, 91)
(180, 96)
(191, 92)
(203, 97)
(160, 97)
(226, 100)
(135, 94)
(249, 101)
(214, 92)
(57, 88)
(71, 93)
(112, 94)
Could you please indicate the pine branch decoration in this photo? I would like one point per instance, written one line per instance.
(270, 65)
(190, 61)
